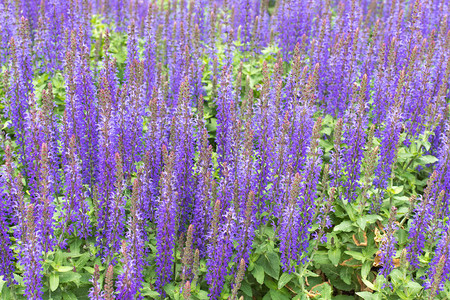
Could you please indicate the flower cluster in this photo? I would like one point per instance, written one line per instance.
(182, 131)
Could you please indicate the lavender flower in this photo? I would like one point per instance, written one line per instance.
(238, 279)
(289, 226)
(136, 237)
(6, 255)
(75, 207)
(31, 256)
(220, 252)
(126, 286)
(165, 220)
(389, 145)
(95, 292)
(439, 271)
(387, 247)
(115, 220)
(246, 230)
(87, 115)
(182, 144)
(354, 137)
(46, 207)
(188, 256)
(420, 224)
(204, 181)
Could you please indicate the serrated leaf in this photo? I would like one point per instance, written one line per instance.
(345, 226)
(146, 291)
(202, 295)
(333, 275)
(5, 292)
(427, 159)
(401, 157)
(395, 190)
(356, 255)
(69, 296)
(277, 295)
(365, 269)
(402, 295)
(270, 283)
(89, 269)
(335, 256)
(308, 273)
(413, 288)
(247, 289)
(81, 262)
(2, 283)
(63, 269)
(396, 276)
(367, 219)
(369, 284)
(271, 264)
(324, 290)
(258, 273)
(366, 295)
(70, 277)
(321, 258)
(284, 279)
(54, 281)
(169, 288)
(346, 275)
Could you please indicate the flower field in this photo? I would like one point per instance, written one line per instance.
(225, 149)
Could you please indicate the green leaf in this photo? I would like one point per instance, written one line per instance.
(356, 255)
(89, 269)
(270, 283)
(413, 288)
(284, 279)
(258, 273)
(365, 269)
(335, 256)
(63, 269)
(81, 262)
(70, 277)
(271, 264)
(396, 276)
(247, 289)
(402, 295)
(202, 295)
(169, 288)
(401, 157)
(275, 263)
(334, 276)
(369, 284)
(427, 159)
(5, 292)
(366, 295)
(54, 281)
(345, 226)
(326, 130)
(325, 290)
(69, 296)
(308, 273)
(380, 283)
(146, 291)
(394, 190)
(2, 283)
(321, 258)
(277, 295)
(346, 275)
(367, 219)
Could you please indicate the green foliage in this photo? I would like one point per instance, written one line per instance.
(344, 267)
